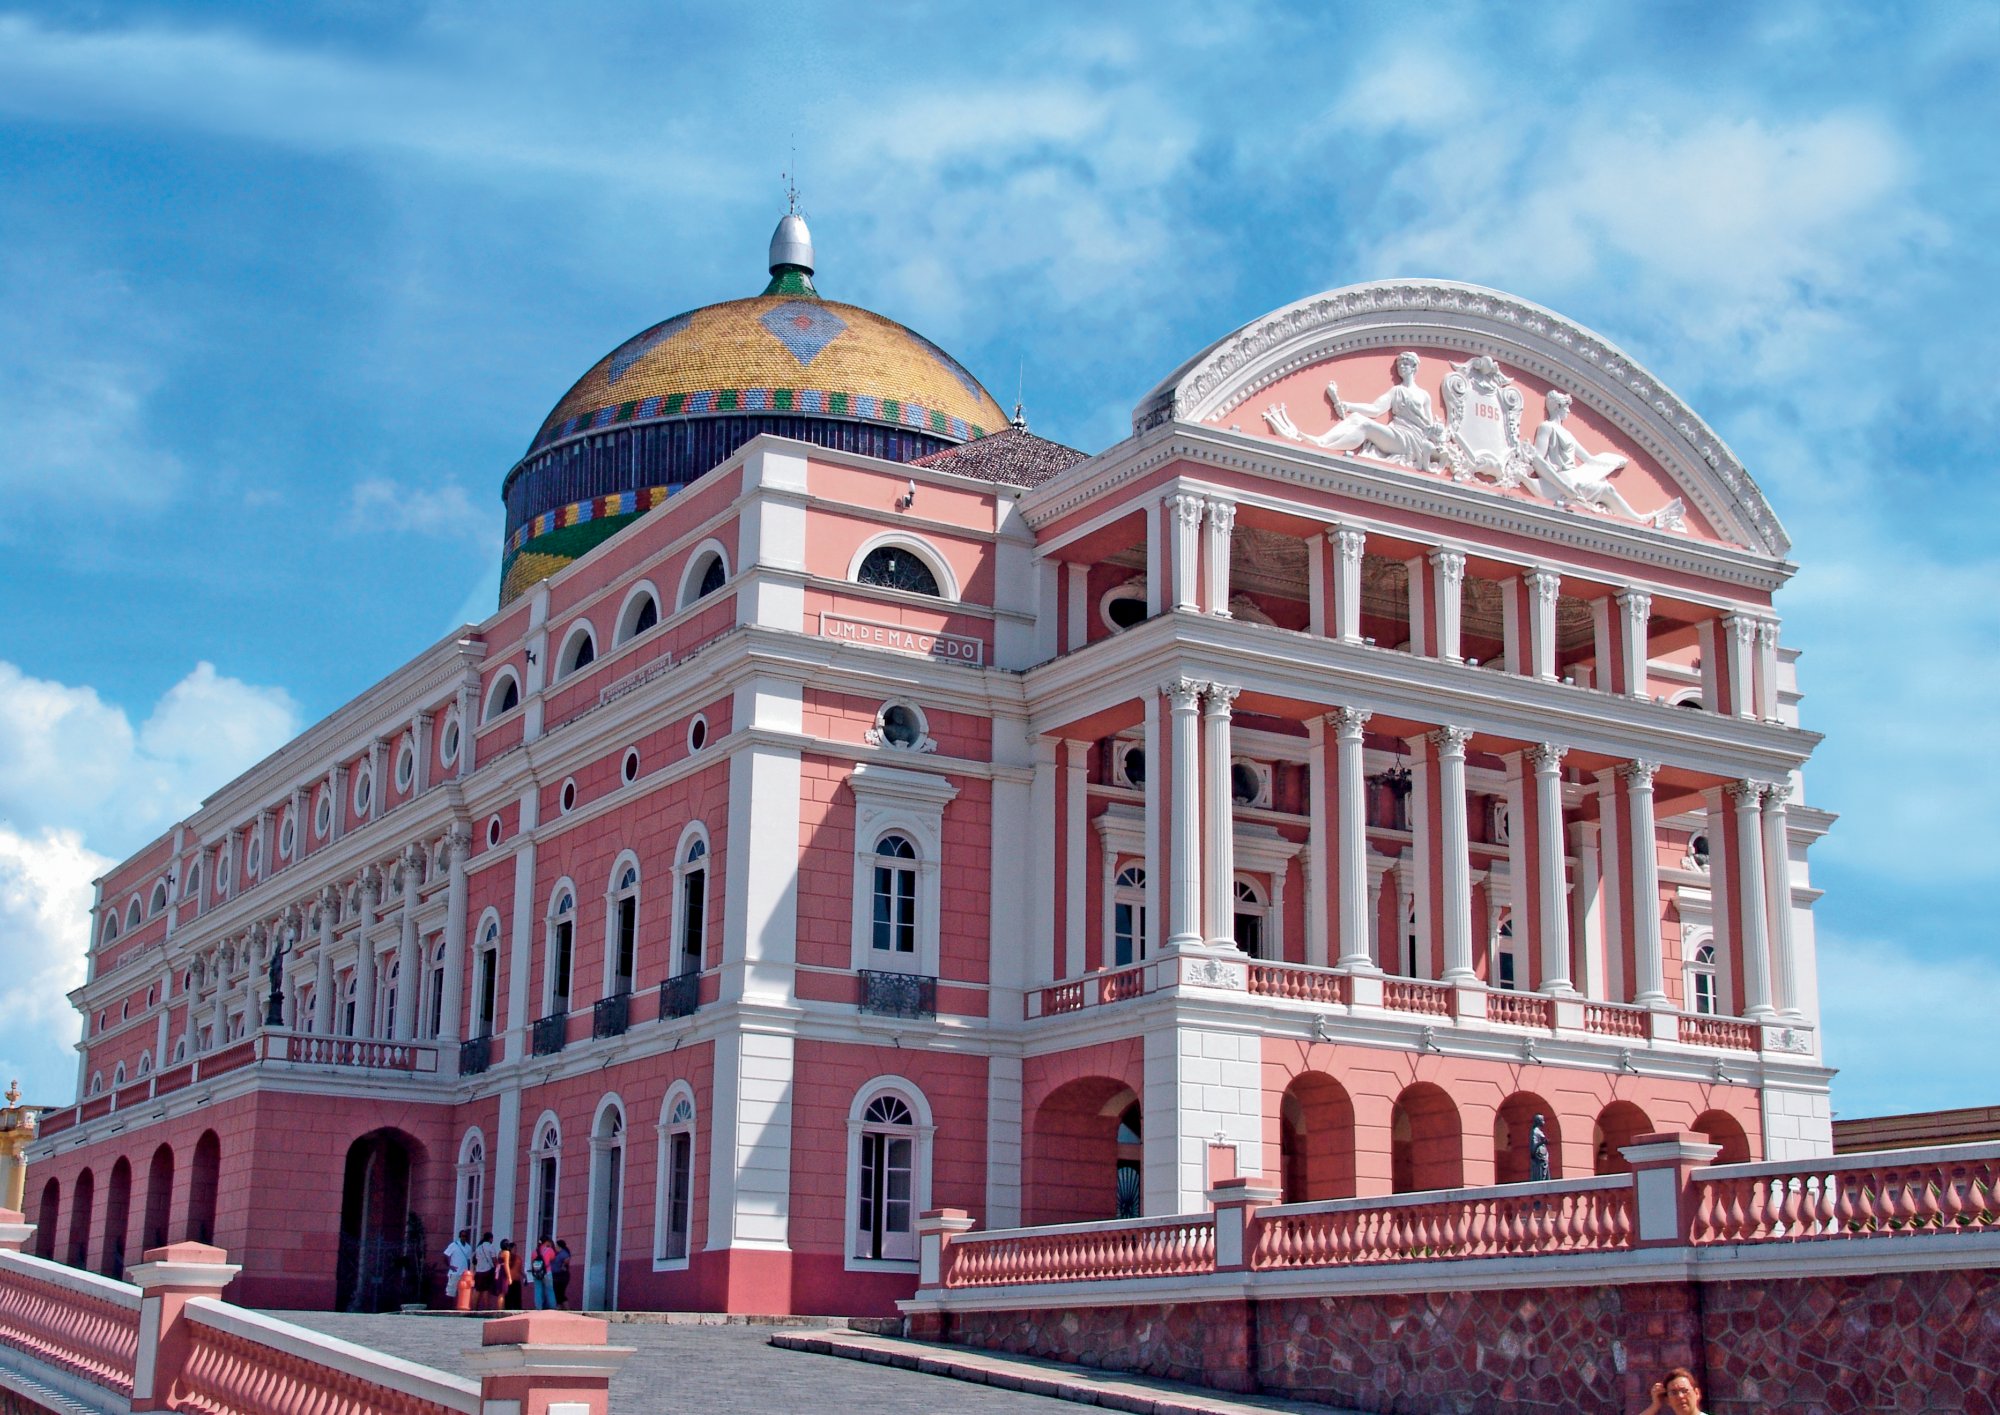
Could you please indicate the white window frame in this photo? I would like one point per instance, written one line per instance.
(162, 896)
(404, 773)
(1132, 896)
(322, 811)
(1693, 940)
(1257, 904)
(933, 560)
(923, 1132)
(489, 711)
(554, 917)
(1133, 589)
(878, 734)
(694, 834)
(362, 796)
(135, 913)
(890, 800)
(696, 570)
(566, 666)
(451, 736)
(679, 1095)
(430, 1020)
(489, 936)
(1260, 799)
(468, 1206)
(1121, 747)
(624, 631)
(615, 894)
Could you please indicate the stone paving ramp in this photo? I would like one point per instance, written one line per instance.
(1112, 1390)
(688, 1365)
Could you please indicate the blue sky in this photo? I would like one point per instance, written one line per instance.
(285, 290)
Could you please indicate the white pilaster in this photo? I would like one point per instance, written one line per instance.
(1352, 885)
(1739, 652)
(750, 1161)
(1544, 588)
(1644, 874)
(1185, 513)
(1318, 869)
(1634, 608)
(1447, 587)
(1349, 547)
(1076, 838)
(1183, 826)
(1218, 817)
(1778, 900)
(1455, 873)
(1215, 562)
(456, 844)
(1753, 948)
(1552, 891)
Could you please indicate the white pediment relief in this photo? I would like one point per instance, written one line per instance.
(1481, 427)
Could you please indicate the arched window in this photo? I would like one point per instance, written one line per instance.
(385, 999)
(159, 900)
(894, 899)
(486, 979)
(674, 1204)
(192, 889)
(504, 696)
(640, 613)
(897, 567)
(134, 914)
(691, 909)
(889, 1130)
(579, 651)
(622, 940)
(1702, 992)
(1128, 916)
(347, 1018)
(110, 925)
(434, 985)
(544, 1171)
(707, 571)
(561, 938)
(470, 1205)
(1250, 918)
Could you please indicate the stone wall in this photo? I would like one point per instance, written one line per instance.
(1923, 1343)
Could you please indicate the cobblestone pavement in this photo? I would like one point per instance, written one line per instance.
(707, 1370)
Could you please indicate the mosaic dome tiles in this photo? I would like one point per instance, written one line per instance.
(777, 353)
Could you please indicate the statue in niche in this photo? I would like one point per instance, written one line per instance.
(1538, 1151)
(1412, 435)
(1568, 475)
(1483, 414)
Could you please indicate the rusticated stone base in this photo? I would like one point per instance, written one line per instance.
(1891, 1344)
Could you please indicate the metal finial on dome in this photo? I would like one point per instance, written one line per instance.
(791, 244)
(1020, 419)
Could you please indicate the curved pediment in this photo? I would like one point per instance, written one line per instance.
(1503, 394)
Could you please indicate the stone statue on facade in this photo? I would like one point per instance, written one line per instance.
(1412, 435)
(1568, 475)
(1538, 1150)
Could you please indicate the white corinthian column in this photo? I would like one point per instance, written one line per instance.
(1218, 817)
(1183, 697)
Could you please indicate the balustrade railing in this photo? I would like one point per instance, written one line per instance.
(359, 1052)
(1414, 995)
(1611, 1019)
(1955, 1190)
(1299, 984)
(610, 1016)
(1578, 1216)
(1720, 1032)
(680, 995)
(241, 1363)
(76, 1321)
(898, 994)
(549, 1034)
(1520, 1009)
(1124, 1248)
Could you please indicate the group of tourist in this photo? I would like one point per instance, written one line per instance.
(490, 1277)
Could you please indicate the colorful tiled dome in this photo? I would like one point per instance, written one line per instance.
(680, 397)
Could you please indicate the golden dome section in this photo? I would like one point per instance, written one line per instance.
(778, 353)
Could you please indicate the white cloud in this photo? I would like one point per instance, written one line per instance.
(378, 503)
(74, 770)
(1909, 1032)
(79, 368)
(70, 760)
(45, 896)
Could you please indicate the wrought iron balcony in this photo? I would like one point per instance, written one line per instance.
(611, 1016)
(898, 994)
(475, 1054)
(680, 995)
(550, 1033)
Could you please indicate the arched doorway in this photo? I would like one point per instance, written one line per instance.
(117, 1215)
(159, 1200)
(45, 1220)
(1316, 1139)
(1083, 1159)
(1618, 1125)
(202, 1180)
(82, 1200)
(607, 1187)
(382, 1258)
(1719, 1127)
(1513, 1127)
(1426, 1150)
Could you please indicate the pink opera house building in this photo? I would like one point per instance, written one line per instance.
(859, 806)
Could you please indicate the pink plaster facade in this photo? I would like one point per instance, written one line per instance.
(1373, 824)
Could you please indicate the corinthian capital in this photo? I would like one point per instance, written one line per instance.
(1351, 544)
(1544, 585)
(1637, 604)
(1183, 694)
(371, 886)
(1220, 696)
(1450, 565)
(1639, 774)
(1222, 516)
(1776, 793)
(1449, 741)
(1348, 721)
(1547, 756)
(1746, 794)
